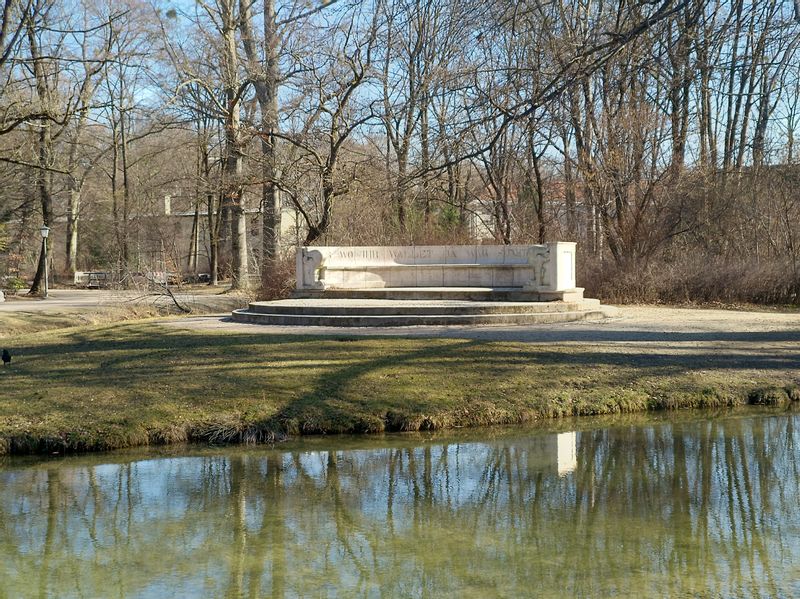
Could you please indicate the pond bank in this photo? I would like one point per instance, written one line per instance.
(129, 384)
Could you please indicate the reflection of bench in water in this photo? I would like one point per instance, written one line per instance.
(555, 453)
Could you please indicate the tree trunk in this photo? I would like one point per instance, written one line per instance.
(399, 193)
(240, 273)
(539, 186)
(214, 219)
(267, 94)
(126, 195)
(425, 158)
(43, 186)
(234, 155)
(44, 147)
(115, 189)
(194, 242)
(569, 191)
(73, 214)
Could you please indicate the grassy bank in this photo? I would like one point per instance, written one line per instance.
(110, 307)
(128, 384)
(16, 324)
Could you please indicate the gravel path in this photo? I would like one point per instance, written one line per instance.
(631, 323)
(648, 335)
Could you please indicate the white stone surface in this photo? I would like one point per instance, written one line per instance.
(549, 267)
(565, 267)
(355, 303)
(461, 254)
(503, 276)
(516, 254)
(479, 277)
(430, 276)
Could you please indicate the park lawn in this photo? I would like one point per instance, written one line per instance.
(18, 323)
(126, 384)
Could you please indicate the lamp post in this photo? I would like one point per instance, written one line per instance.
(45, 231)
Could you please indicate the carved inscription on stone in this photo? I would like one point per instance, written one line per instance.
(358, 254)
(516, 254)
(400, 255)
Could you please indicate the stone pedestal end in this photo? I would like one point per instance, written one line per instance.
(552, 266)
(562, 254)
(310, 269)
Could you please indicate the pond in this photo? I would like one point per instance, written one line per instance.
(675, 505)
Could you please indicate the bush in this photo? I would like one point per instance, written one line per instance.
(698, 280)
(768, 396)
(281, 284)
(13, 284)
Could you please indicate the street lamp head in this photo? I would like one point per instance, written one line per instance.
(45, 231)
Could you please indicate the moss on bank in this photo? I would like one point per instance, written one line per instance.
(113, 386)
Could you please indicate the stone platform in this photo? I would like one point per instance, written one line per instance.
(366, 312)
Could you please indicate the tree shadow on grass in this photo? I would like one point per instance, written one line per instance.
(332, 398)
(144, 358)
(601, 334)
(146, 339)
(301, 384)
(156, 352)
(317, 411)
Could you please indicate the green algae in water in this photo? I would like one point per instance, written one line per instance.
(696, 508)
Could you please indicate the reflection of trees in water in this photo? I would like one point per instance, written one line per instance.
(660, 510)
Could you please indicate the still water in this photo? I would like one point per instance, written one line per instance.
(693, 507)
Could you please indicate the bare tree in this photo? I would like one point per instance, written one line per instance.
(333, 77)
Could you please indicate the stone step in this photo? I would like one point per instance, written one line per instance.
(412, 308)
(349, 320)
(483, 294)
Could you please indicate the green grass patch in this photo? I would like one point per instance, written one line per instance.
(111, 386)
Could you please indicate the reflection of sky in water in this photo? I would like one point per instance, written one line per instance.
(704, 508)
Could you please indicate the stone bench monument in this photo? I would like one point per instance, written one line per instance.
(533, 272)
(430, 285)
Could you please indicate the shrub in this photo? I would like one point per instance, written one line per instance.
(281, 284)
(13, 284)
(693, 280)
(768, 396)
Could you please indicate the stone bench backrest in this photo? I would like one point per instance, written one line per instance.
(545, 267)
(345, 257)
